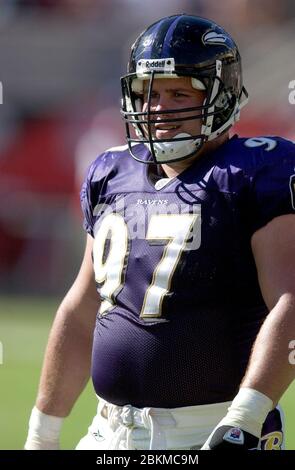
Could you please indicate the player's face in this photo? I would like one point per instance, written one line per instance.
(176, 93)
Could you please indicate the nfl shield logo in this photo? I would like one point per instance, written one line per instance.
(235, 436)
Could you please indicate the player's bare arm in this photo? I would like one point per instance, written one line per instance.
(66, 367)
(273, 246)
(269, 372)
(65, 356)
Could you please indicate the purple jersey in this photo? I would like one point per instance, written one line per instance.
(181, 304)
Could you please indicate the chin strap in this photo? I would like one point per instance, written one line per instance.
(166, 152)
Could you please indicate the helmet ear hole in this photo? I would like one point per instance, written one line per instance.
(225, 106)
(223, 100)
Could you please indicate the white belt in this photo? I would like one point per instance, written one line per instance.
(128, 427)
(124, 420)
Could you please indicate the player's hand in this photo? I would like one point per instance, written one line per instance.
(226, 437)
(44, 431)
(241, 428)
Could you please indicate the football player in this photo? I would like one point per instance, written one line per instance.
(192, 236)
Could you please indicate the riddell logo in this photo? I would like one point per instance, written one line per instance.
(155, 64)
(163, 65)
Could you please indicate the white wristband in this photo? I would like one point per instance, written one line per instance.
(44, 431)
(248, 411)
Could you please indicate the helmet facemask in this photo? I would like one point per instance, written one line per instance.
(216, 114)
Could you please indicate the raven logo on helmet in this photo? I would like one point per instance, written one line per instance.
(214, 38)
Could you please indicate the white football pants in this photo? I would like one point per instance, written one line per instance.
(127, 427)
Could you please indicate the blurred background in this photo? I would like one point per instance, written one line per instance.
(60, 63)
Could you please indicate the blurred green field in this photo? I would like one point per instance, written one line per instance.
(24, 327)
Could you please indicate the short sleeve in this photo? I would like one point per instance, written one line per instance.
(272, 190)
(85, 199)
